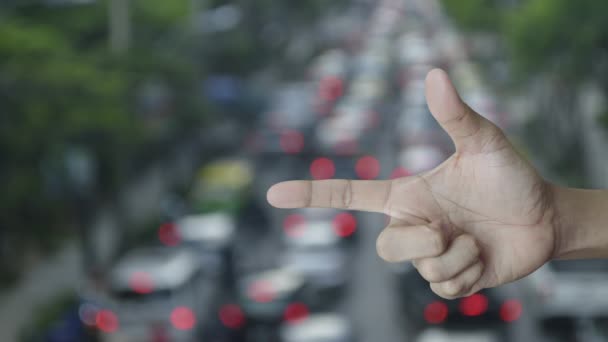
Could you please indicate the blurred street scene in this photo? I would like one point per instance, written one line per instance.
(138, 139)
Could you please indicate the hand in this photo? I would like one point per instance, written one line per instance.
(482, 218)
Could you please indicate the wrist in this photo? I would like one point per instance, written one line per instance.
(580, 223)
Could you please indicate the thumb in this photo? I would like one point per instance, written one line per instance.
(469, 131)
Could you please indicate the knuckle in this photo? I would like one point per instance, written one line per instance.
(453, 287)
(436, 240)
(347, 194)
(431, 270)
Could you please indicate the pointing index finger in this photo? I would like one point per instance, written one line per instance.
(366, 195)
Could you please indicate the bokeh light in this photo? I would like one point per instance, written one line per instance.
(436, 312)
(183, 318)
(474, 305)
(106, 321)
(399, 172)
(141, 282)
(510, 310)
(261, 291)
(331, 88)
(87, 313)
(293, 225)
(295, 312)
(232, 316)
(345, 224)
(367, 167)
(291, 141)
(168, 234)
(322, 168)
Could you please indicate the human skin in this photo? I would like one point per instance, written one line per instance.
(482, 218)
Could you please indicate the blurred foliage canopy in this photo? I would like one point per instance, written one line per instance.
(567, 38)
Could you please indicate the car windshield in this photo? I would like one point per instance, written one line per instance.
(580, 265)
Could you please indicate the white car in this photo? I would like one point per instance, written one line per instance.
(212, 237)
(420, 158)
(266, 296)
(325, 327)
(331, 63)
(572, 288)
(151, 293)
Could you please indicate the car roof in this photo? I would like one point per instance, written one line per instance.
(281, 280)
(213, 228)
(324, 327)
(313, 234)
(164, 267)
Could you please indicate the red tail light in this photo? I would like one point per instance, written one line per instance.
(168, 234)
(322, 168)
(291, 141)
(474, 305)
(331, 88)
(367, 167)
(232, 316)
(436, 312)
(344, 224)
(106, 321)
(295, 312)
(510, 310)
(141, 282)
(183, 318)
(293, 225)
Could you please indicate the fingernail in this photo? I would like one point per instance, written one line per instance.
(286, 195)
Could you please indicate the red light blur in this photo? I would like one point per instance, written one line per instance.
(474, 305)
(140, 282)
(232, 316)
(345, 224)
(510, 310)
(295, 312)
(400, 172)
(322, 168)
(293, 225)
(330, 88)
(436, 312)
(291, 141)
(106, 321)
(367, 167)
(183, 318)
(168, 234)
(261, 291)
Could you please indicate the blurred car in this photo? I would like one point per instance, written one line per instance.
(265, 296)
(314, 249)
(212, 236)
(349, 130)
(322, 327)
(154, 293)
(415, 48)
(416, 125)
(437, 335)
(330, 63)
(569, 290)
(488, 309)
(268, 299)
(285, 126)
(420, 158)
(344, 224)
(222, 185)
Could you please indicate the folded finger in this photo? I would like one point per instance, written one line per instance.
(460, 254)
(396, 244)
(460, 285)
